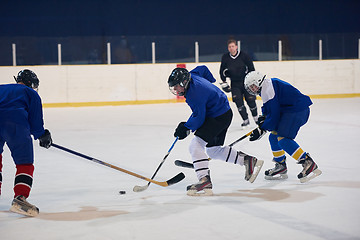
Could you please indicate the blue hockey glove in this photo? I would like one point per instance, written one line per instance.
(181, 131)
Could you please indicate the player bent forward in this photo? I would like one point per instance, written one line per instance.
(20, 117)
(285, 109)
(211, 117)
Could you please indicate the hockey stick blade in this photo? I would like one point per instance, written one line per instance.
(143, 188)
(175, 179)
(180, 176)
(184, 164)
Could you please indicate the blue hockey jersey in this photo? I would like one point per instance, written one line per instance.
(204, 98)
(21, 105)
(280, 97)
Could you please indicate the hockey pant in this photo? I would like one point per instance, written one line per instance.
(282, 140)
(18, 139)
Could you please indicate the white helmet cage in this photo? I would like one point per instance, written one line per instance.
(253, 82)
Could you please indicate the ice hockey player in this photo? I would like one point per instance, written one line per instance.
(211, 117)
(20, 117)
(234, 66)
(285, 109)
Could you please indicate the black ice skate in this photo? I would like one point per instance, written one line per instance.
(310, 169)
(21, 206)
(245, 123)
(252, 167)
(202, 188)
(278, 172)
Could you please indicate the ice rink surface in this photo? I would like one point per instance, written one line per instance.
(79, 199)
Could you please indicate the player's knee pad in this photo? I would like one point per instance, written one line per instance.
(214, 152)
(197, 148)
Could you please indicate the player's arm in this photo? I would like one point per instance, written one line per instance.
(35, 112)
(224, 75)
(248, 62)
(223, 70)
(36, 121)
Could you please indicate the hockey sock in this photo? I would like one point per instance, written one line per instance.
(278, 152)
(199, 157)
(23, 179)
(292, 148)
(226, 154)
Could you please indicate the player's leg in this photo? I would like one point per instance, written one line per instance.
(251, 102)
(238, 99)
(20, 144)
(206, 134)
(216, 150)
(280, 169)
(289, 126)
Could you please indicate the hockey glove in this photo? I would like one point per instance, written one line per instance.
(45, 140)
(181, 131)
(261, 120)
(225, 86)
(257, 134)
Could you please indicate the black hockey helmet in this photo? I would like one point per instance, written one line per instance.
(178, 81)
(27, 77)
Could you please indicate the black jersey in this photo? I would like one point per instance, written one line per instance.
(235, 67)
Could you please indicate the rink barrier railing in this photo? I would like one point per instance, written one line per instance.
(102, 85)
(140, 102)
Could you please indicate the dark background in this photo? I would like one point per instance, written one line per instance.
(83, 28)
(62, 18)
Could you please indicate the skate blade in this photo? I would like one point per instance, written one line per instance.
(17, 209)
(277, 177)
(314, 174)
(258, 167)
(205, 192)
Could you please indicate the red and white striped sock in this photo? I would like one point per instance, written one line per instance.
(23, 179)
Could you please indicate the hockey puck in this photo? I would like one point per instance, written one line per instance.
(122, 192)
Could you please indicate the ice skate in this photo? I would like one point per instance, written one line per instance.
(310, 169)
(252, 167)
(278, 172)
(245, 124)
(202, 188)
(21, 206)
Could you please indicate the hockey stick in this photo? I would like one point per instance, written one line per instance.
(184, 164)
(143, 188)
(180, 176)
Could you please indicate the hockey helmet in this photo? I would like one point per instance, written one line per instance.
(253, 82)
(178, 81)
(27, 77)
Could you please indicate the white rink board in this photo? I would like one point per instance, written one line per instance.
(132, 82)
